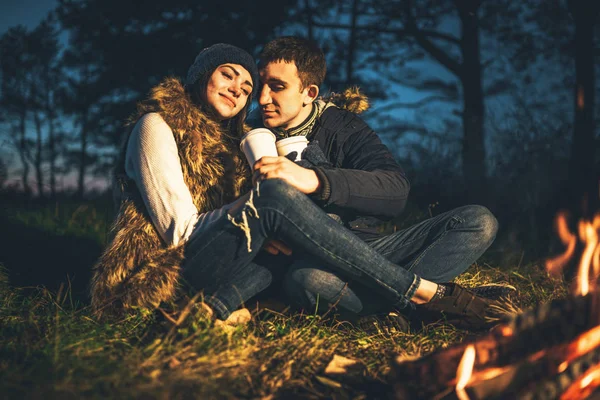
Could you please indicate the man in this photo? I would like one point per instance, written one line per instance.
(354, 178)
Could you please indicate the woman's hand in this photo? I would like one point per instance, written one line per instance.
(303, 179)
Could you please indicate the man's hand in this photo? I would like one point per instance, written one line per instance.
(275, 247)
(303, 179)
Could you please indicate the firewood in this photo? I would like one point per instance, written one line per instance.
(553, 344)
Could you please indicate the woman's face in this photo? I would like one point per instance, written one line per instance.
(228, 89)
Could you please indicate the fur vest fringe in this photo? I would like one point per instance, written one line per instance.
(137, 269)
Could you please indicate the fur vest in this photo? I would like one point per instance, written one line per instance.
(137, 269)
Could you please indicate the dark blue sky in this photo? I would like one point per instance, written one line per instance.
(24, 12)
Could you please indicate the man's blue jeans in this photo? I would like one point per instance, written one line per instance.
(220, 260)
(437, 249)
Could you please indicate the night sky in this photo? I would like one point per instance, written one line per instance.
(24, 12)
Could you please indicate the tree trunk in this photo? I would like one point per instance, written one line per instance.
(583, 176)
(82, 155)
(473, 149)
(50, 113)
(52, 155)
(309, 19)
(22, 146)
(352, 45)
(37, 161)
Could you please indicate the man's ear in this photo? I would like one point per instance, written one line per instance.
(311, 94)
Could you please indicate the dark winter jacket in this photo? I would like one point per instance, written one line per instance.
(365, 186)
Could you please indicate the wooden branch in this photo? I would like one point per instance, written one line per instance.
(551, 343)
(563, 380)
(553, 369)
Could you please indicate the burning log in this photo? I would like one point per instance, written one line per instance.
(539, 354)
(552, 351)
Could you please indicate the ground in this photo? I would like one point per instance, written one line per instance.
(51, 346)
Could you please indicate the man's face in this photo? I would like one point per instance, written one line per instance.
(283, 101)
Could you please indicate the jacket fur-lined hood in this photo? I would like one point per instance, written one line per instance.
(350, 100)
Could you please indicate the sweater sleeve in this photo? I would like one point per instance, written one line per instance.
(369, 181)
(152, 161)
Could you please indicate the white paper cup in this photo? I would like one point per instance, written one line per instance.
(258, 143)
(294, 143)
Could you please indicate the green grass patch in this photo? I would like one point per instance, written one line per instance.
(89, 219)
(52, 347)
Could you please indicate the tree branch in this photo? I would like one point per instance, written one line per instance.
(442, 88)
(433, 50)
(417, 104)
(399, 32)
(486, 64)
(398, 130)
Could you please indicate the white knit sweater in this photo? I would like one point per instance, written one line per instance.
(152, 161)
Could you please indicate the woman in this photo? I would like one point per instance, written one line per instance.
(178, 169)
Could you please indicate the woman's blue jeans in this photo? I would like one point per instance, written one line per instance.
(437, 249)
(220, 260)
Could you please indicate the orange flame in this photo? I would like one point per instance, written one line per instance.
(587, 275)
(562, 367)
(464, 372)
(596, 256)
(587, 342)
(589, 236)
(590, 380)
(589, 265)
(555, 265)
(584, 386)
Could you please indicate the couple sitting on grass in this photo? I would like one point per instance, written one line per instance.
(195, 218)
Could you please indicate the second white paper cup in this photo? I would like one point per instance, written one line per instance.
(258, 143)
(294, 143)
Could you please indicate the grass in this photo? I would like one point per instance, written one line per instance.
(89, 219)
(51, 346)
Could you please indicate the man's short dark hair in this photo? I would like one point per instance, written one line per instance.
(306, 54)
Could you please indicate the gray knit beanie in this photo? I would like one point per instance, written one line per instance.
(218, 54)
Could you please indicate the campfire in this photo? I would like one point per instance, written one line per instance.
(549, 352)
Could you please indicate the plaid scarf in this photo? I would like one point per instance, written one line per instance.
(305, 128)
